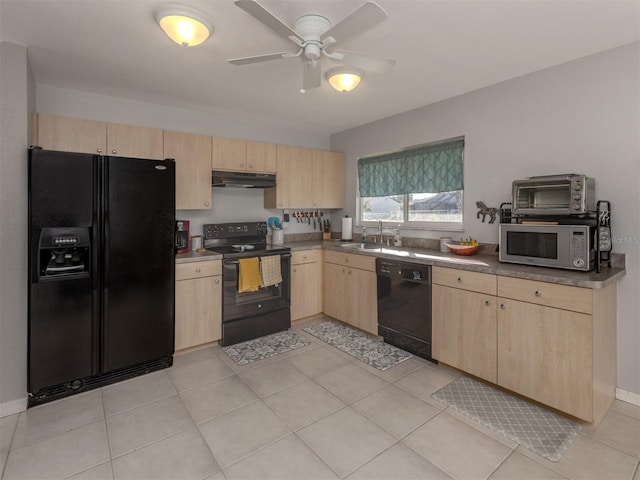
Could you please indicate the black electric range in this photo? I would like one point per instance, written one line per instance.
(249, 315)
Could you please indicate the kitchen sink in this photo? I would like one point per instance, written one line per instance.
(361, 246)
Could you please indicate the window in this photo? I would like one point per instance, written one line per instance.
(420, 187)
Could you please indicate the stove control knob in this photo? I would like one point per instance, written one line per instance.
(576, 196)
(577, 187)
(576, 206)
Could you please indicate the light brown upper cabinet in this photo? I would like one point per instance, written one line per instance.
(261, 157)
(306, 179)
(135, 142)
(53, 132)
(192, 154)
(240, 155)
(328, 171)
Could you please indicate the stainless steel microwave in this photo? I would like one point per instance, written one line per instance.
(569, 194)
(556, 246)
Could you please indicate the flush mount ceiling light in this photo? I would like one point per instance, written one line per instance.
(344, 79)
(184, 25)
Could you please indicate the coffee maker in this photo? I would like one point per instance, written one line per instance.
(182, 236)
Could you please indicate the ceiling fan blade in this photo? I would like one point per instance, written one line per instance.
(366, 17)
(259, 58)
(260, 13)
(365, 62)
(311, 75)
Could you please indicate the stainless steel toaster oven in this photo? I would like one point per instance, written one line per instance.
(569, 194)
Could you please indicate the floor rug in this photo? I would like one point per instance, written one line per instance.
(365, 348)
(263, 347)
(546, 433)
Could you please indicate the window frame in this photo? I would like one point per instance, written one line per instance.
(406, 224)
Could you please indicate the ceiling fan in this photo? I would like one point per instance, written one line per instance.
(314, 35)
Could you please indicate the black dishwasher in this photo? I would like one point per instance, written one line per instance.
(404, 305)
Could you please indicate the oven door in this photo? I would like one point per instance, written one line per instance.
(248, 304)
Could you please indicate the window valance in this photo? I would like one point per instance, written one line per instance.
(431, 168)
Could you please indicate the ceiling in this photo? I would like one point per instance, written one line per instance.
(443, 48)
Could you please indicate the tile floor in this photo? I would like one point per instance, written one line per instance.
(312, 413)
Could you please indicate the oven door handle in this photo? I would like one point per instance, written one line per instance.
(235, 262)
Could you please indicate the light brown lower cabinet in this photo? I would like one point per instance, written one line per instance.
(306, 284)
(464, 331)
(350, 290)
(198, 303)
(555, 344)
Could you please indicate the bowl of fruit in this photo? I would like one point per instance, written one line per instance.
(466, 246)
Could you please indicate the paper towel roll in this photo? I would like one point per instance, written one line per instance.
(347, 228)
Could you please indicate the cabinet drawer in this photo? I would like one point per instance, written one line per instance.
(354, 260)
(473, 281)
(306, 256)
(198, 269)
(576, 299)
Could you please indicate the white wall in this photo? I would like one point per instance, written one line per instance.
(581, 117)
(16, 98)
(227, 204)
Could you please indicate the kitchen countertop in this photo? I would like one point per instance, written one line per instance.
(193, 256)
(477, 263)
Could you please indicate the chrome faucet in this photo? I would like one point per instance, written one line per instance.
(380, 230)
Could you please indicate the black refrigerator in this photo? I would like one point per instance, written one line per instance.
(101, 270)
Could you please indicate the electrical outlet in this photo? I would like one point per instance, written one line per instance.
(286, 217)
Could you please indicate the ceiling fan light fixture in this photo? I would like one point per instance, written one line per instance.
(184, 25)
(344, 79)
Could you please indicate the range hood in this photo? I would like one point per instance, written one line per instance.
(242, 179)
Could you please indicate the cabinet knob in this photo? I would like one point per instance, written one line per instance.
(198, 270)
(280, 204)
(242, 165)
(487, 303)
(251, 165)
(304, 257)
(206, 204)
(294, 269)
(503, 306)
(217, 281)
(343, 270)
(114, 151)
(459, 279)
(538, 293)
(349, 272)
(99, 150)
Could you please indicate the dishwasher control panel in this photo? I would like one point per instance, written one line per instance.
(404, 270)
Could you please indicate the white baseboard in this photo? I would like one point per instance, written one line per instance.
(15, 406)
(629, 397)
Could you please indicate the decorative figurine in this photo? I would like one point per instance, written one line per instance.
(484, 211)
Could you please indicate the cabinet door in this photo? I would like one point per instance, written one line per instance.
(306, 290)
(464, 331)
(294, 184)
(135, 142)
(198, 311)
(545, 353)
(261, 157)
(70, 134)
(328, 168)
(335, 294)
(228, 154)
(193, 168)
(362, 300)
